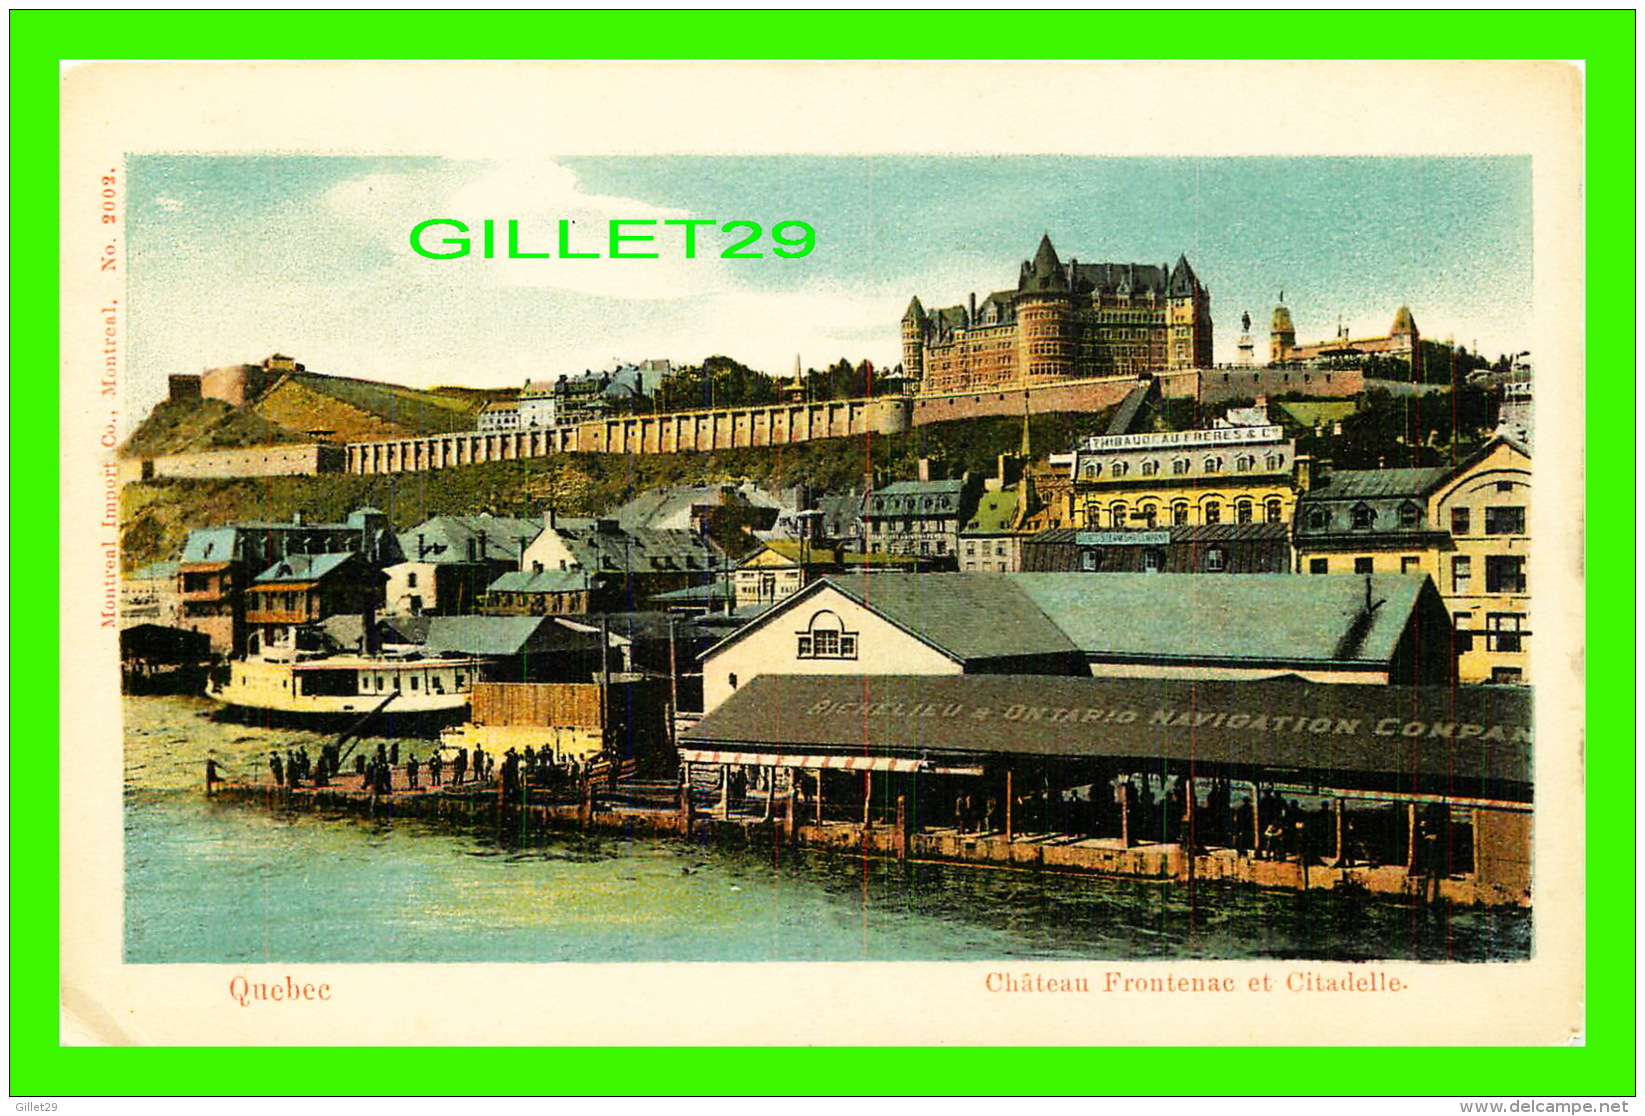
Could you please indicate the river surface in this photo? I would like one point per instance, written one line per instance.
(210, 881)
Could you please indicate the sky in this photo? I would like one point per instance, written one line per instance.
(233, 258)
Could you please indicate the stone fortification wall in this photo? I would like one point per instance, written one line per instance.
(1072, 395)
(681, 432)
(1220, 384)
(303, 459)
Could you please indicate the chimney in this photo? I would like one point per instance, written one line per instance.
(1305, 473)
(972, 316)
(483, 541)
(548, 519)
(297, 518)
(422, 545)
(925, 469)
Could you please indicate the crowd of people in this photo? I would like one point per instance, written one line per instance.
(468, 766)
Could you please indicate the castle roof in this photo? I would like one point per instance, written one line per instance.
(1045, 274)
(1282, 321)
(916, 312)
(1183, 279)
(1112, 278)
(1404, 323)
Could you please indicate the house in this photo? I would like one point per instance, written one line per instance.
(1486, 507)
(527, 648)
(1363, 521)
(450, 560)
(990, 541)
(782, 567)
(892, 623)
(628, 566)
(303, 589)
(498, 415)
(1233, 474)
(219, 562)
(151, 595)
(539, 593)
(919, 518)
(1219, 548)
(1383, 630)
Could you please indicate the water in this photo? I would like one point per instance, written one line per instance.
(210, 881)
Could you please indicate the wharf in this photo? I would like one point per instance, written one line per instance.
(473, 802)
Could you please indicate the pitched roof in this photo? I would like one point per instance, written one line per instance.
(1269, 618)
(1183, 280)
(301, 567)
(154, 571)
(1239, 724)
(1109, 278)
(1366, 484)
(996, 512)
(1045, 273)
(541, 581)
(445, 538)
(209, 544)
(504, 635)
(964, 615)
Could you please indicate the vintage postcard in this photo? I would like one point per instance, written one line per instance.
(569, 537)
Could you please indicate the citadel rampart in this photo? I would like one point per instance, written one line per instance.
(734, 428)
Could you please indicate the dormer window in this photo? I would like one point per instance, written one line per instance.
(1318, 519)
(1244, 463)
(1213, 464)
(1409, 515)
(1120, 469)
(1363, 517)
(1179, 467)
(1150, 468)
(1093, 469)
(826, 638)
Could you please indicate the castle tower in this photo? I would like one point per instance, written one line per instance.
(1045, 318)
(1187, 319)
(913, 340)
(1404, 331)
(1282, 335)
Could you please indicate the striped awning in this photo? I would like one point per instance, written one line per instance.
(840, 762)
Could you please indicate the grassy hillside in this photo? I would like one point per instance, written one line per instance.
(183, 427)
(157, 515)
(414, 411)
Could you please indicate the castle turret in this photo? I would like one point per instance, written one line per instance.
(1188, 319)
(1408, 340)
(1045, 317)
(913, 340)
(1282, 336)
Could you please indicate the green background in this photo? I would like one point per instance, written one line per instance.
(1604, 41)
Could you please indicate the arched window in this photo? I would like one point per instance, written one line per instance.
(1242, 511)
(1274, 511)
(1179, 466)
(1092, 469)
(825, 637)
(1149, 514)
(1150, 468)
(1318, 519)
(1213, 511)
(1179, 513)
(1244, 463)
(1116, 514)
(1120, 469)
(1275, 462)
(1213, 464)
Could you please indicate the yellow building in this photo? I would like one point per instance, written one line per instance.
(1238, 474)
(1466, 526)
(1485, 577)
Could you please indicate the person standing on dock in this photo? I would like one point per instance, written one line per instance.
(459, 766)
(477, 763)
(411, 772)
(394, 754)
(213, 776)
(435, 763)
(275, 766)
